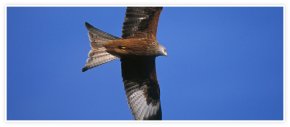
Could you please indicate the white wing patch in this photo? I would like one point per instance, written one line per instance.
(137, 101)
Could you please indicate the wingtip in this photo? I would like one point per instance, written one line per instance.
(88, 25)
(84, 69)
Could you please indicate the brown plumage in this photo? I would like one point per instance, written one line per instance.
(137, 50)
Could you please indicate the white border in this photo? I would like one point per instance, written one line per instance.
(91, 123)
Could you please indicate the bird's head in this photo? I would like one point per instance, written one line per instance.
(162, 50)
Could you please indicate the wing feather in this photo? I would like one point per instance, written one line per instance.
(142, 89)
(140, 21)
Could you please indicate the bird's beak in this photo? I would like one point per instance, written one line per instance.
(165, 54)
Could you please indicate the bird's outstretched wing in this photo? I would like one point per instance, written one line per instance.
(142, 89)
(141, 21)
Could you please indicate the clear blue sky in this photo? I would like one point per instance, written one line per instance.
(222, 64)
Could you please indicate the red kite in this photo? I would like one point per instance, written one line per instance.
(137, 50)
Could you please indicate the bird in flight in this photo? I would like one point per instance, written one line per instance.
(137, 50)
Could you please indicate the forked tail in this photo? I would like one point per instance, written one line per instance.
(98, 54)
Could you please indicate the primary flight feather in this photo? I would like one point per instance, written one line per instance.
(137, 50)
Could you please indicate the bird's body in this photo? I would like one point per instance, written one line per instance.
(137, 50)
(133, 47)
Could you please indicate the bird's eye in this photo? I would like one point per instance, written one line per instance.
(121, 47)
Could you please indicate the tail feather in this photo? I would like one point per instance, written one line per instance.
(98, 54)
(98, 37)
(98, 57)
